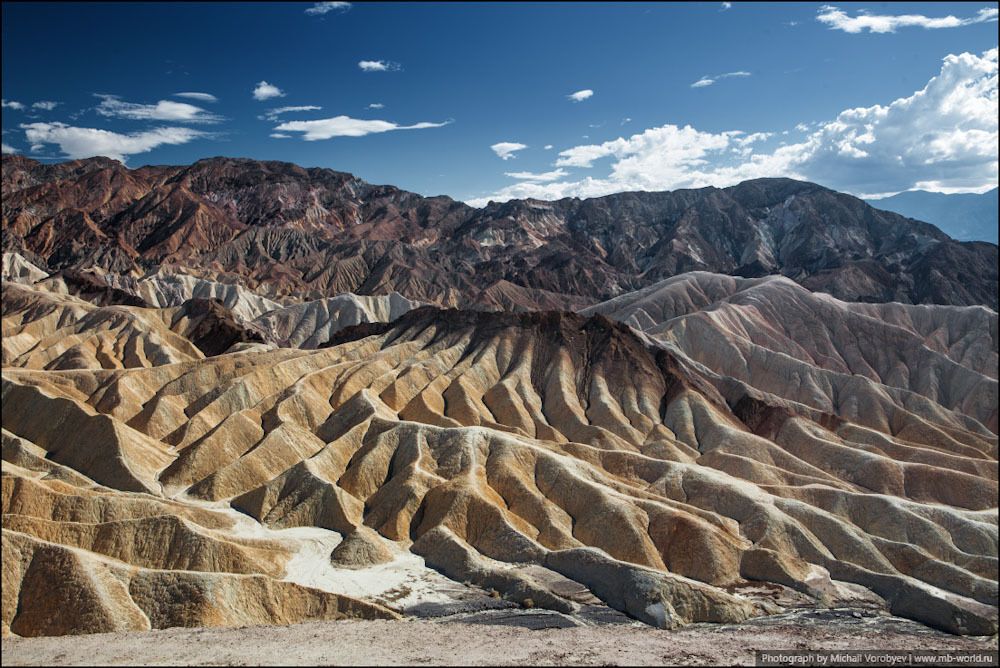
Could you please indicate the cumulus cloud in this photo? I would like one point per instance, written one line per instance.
(321, 8)
(345, 126)
(13, 104)
(9, 150)
(164, 110)
(201, 97)
(838, 19)
(273, 114)
(534, 176)
(265, 91)
(548, 147)
(725, 6)
(581, 95)
(45, 105)
(377, 66)
(506, 149)
(376, 105)
(76, 142)
(943, 137)
(708, 81)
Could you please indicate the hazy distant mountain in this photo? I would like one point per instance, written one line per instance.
(966, 217)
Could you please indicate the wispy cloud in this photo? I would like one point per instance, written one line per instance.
(45, 105)
(345, 126)
(506, 149)
(725, 6)
(164, 110)
(541, 178)
(321, 8)
(280, 135)
(9, 150)
(838, 19)
(581, 95)
(548, 147)
(13, 104)
(201, 97)
(376, 105)
(76, 142)
(273, 114)
(377, 66)
(265, 91)
(708, 81)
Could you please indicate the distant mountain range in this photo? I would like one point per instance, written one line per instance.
(283, 230)
(966, 216)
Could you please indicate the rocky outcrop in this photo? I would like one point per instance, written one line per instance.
(53, 590)
(361, 548)
(659, 599)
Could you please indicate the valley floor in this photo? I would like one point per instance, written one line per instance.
(450, 643)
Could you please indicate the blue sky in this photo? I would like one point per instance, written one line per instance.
(475, 82)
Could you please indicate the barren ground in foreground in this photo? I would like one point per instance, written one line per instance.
(450, 643)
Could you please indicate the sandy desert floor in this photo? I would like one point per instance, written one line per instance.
(493, 643)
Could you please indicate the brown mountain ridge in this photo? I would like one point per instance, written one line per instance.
(285, 230)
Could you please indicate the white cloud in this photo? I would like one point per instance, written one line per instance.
(725, 6)
(12, 104)
(265, 91)
(87, 142)
(345, 126)
(548, 147)
(581, 95)
(201, 97)
(37, 148)
(376, 105)
(320, 8)
(377, 66)
(9, 150)
(272, 114)
(533, 176)
(506, 149)
(837, 19)
(45, 105)
(280, 135)
(943, 137)
(679, 148)
(708, 81)
(164, 110)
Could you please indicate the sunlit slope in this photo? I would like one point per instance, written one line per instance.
(650, 472)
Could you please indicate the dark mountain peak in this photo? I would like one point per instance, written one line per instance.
(292, 230)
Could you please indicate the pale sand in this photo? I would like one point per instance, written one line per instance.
(441, 643)
(406, 581)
